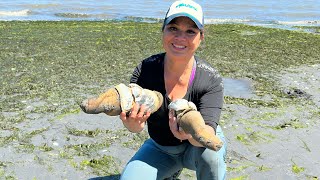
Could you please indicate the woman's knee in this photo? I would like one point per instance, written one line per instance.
(216, 158)
(136, 169)
(213, 158)
(212, 164)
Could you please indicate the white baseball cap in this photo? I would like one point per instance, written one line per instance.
(187, 8)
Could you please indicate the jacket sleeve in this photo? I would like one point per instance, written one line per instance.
(209, 93)
(136, 74)
(211, 102)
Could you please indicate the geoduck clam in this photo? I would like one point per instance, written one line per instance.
(191, 121)
(122, 98)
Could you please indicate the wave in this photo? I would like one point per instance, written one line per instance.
(24, 12)
(85, 16)
(42, 6)
(142, 19)
(263, 22)
(241, 21)
(219, 21)
(73, 15)
(107, 17)
(310, 22)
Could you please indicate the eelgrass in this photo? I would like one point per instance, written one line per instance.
(63, 62)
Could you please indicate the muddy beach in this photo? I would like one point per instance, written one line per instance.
(270, 117)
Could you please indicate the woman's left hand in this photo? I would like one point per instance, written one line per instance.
(175, 129)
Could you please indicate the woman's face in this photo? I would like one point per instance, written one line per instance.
(181, 37)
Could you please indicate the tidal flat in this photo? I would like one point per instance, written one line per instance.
(48, 67)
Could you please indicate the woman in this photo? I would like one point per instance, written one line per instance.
(177, 74)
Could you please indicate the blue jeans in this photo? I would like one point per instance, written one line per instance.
(155, 162)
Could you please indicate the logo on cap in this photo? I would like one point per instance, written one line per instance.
(186, 5)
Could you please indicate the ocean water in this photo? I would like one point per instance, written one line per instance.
(255, 12)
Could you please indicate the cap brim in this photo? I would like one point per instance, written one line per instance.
(195, 20)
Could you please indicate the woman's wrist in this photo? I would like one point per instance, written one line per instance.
(134, 127)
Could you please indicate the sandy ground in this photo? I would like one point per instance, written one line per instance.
(273, 154)
(256, 148)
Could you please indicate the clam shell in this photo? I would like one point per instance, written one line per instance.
(182, 104)
(151, 99)
(126, 99)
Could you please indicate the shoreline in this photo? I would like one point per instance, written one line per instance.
(308, 26)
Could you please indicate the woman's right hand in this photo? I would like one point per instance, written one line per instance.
(175, 129)
(136, 119)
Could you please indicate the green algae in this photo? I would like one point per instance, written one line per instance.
(312, 29)
(254, 103)
(240, 178)
(296, 169)
(105, 165)
(136, 141)
(263, 168)
(45, 147)
(238, 169)
(293, 123)
(87, 133)
(86, 149)
(59, 61)
(253, 137)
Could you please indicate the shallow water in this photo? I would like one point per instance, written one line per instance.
(239, 88)
(273, 12)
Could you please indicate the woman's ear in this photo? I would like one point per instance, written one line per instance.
(202, 36)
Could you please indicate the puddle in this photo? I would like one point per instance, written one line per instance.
(239, 88)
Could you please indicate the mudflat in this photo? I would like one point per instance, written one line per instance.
(48, 68)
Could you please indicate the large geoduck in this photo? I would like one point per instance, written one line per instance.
(122, 98)
(191, 121)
